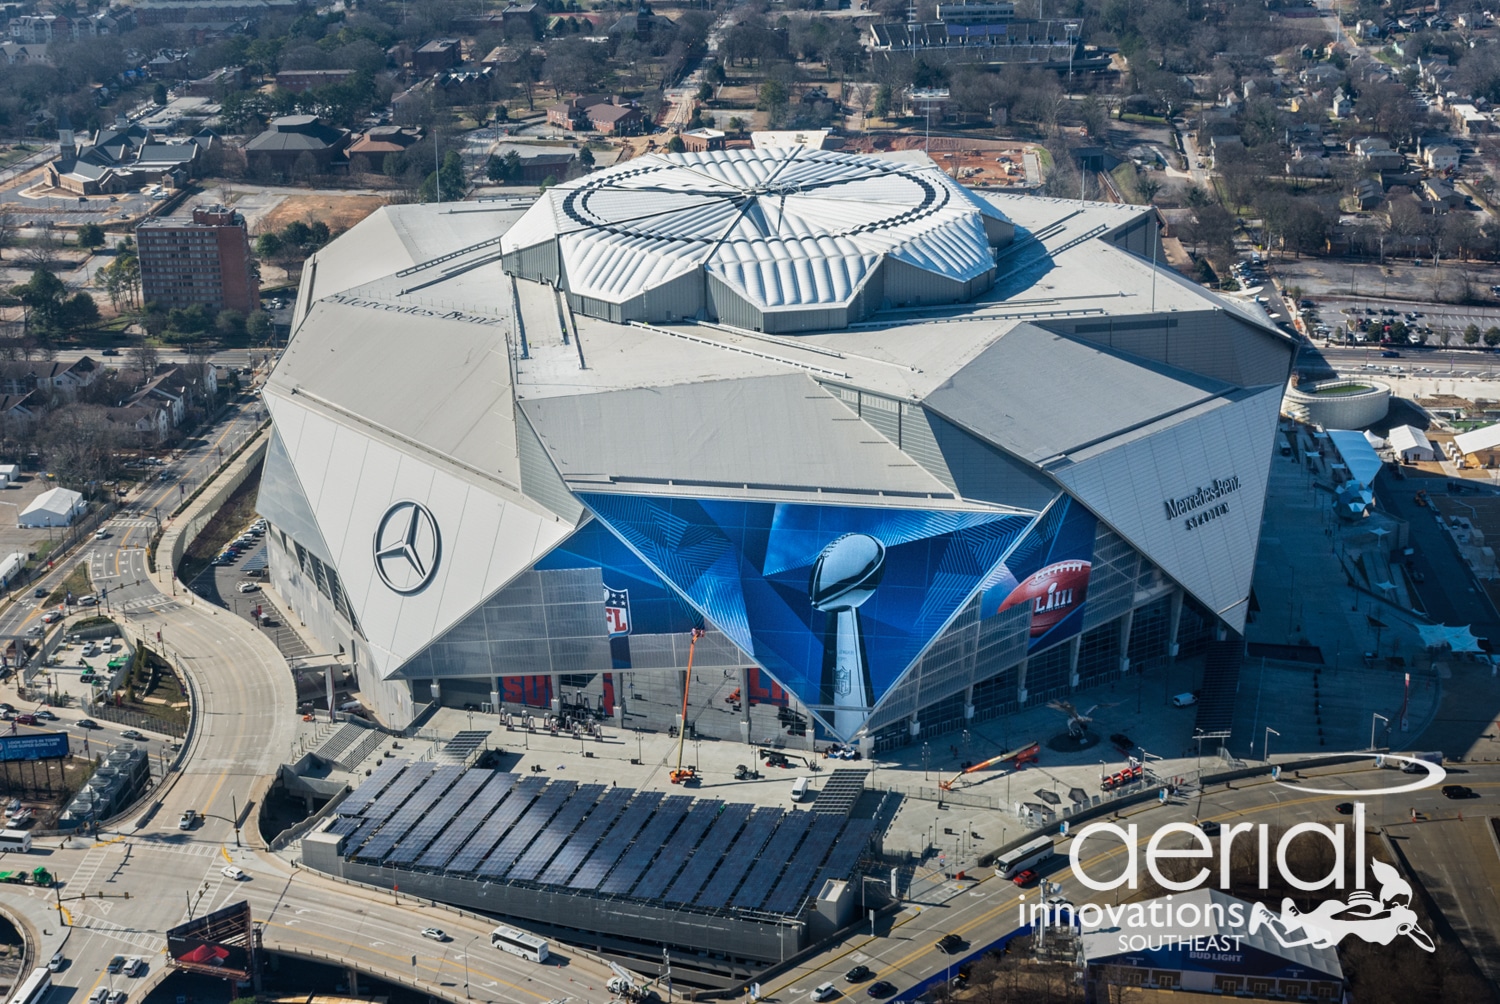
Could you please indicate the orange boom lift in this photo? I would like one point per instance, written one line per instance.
(683, 775)
(1025, 754)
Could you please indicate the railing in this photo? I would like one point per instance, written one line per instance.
(137, 719)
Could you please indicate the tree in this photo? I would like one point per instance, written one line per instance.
(447, 182)
(42, 295)
(79, 311)
(90, 235)
(230, 324)
(1492, 336)
(269, 245)
(1471, 334)
(881, 106)
(258, 326)
(8, 227)
(159, 94)
(507, 169)
(1149, 188)
(586, 159)
(705, 91)
(675, 144)
(145, 358)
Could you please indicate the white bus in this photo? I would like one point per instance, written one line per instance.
(527, 946)
(35, 987)
(15, 840)
(1023, 857)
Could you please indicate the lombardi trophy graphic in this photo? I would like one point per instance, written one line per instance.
(845, 576)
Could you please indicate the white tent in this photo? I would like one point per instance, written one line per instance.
(1357, 452)
(1459, 639)
(1410, 444)
(56, 507)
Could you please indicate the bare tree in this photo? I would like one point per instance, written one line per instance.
(7, 231)
(145, 358)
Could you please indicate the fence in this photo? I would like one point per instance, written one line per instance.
(137, 720)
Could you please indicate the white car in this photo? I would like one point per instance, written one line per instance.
(97, 997)
(100, 534)
(88, 601)
(133, 966)
(232, 872)
(1183, 700)
(248, 587)
(435, 933)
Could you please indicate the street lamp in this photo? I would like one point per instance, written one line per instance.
(1374, 716)
(1266, 746)
(466, 963)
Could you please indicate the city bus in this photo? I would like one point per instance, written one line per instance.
(1023, 857)
(527, 946)
(35, 987)
(15, 840)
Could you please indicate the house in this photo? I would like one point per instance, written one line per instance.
(150, 421)
(436, 55)
(703, 140)
(616, 120)
(573, 113)
(168, 64)
(1368, 194)
(1322, 75)
(173, 388)
(39, 29)
(24, 378)
(1439, 191)
(1469, 120)
(1441, 158)
(301, 81)
(536, 168)
(288, 138)
(17, 54)
(1341, 106)
(1410, 444)
(16, 408)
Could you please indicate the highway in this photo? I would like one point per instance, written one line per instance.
(245, 725)
(980, 912)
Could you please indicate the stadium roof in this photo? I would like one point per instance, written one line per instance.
(789, 227)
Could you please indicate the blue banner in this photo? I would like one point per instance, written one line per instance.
(34, 746)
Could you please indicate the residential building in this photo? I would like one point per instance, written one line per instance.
(149, 420)
(175, 388)
(17, 54)
(703, 140)
(278, 150)
(209, 12)
(436, 55)
(224, 80)
(39, 29)
(205, 261)
(299, 81)
(375, 143)
(573, 113)
(27, 377)
(1469, 120)
(1441, 158)
(616, 120)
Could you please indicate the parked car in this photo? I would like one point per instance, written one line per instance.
(248, 587)
(116, 964)
(1344, 808)
(26, 719)
(88, 600)
(116, 997)
(1184, 700)
(134, 966)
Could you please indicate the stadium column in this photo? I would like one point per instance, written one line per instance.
(620, 691)
(1021, 681)
(1174, 618)
(437, 691)
(745, 704)
(1126, 623)
(969, 701)
(556, 694)
(495, 694)
(1074, 645)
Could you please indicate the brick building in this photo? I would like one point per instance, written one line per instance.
(203, 262)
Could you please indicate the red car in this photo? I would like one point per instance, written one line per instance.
(26, 719)
(1025, 877)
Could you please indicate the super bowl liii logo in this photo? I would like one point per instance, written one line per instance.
(1203, 506)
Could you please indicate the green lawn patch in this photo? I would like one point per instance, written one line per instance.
(78, 583)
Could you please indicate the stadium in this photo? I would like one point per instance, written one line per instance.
(875, 454)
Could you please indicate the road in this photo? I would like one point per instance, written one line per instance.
(981, 912)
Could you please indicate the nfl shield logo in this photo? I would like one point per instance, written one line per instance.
(617, 611)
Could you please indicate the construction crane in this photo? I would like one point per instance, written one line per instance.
(1022, 755)
(682, 775)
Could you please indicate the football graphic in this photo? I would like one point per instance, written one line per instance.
(1053, 593)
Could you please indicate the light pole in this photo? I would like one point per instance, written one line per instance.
(466, 963)
(1374, 716)
(925, 759)
(1266, 746)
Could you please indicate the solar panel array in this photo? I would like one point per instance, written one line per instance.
(738, 859)
(643, 845)
(458, 832)
(617, 840)
(563, 823)
(699, 818)
(709, 854)
(527, 827)
(792, 886)
(440, 815)
(572, 853)
(371, 787)
(411, 813)
(840, 792)
(776, 854)
(493, 828)
(647, 845)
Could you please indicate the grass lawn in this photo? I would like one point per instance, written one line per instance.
(78, 583)
(1344, 389)
(153, 689)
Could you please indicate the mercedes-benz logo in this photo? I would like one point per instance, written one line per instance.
(408, 547)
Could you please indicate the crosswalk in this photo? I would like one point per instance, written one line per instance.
(146, 941)
(158, 603)
(133, 521)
